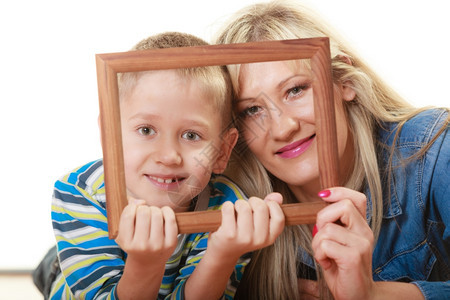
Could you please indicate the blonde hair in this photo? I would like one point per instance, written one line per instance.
(213, 80)
(375, 103)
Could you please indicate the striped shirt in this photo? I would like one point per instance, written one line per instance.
(92, 264)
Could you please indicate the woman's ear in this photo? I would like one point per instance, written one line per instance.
(348, 93)
(228, 142)
(345, 59)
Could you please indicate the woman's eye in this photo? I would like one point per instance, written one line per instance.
(191, 136)
(146, 131)
(297, 90)
(251, 111)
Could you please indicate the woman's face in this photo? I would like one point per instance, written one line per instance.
(276, 111)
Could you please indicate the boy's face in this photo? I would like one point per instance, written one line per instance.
(172, 140)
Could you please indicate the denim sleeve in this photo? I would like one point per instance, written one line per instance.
(434, 290)
(438, 166)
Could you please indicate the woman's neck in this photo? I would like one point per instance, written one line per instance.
(307, 192)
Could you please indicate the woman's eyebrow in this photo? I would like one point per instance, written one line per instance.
(303, 76)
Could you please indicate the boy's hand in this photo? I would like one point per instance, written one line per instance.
(147, 233)
(247, 226)
(149, 236)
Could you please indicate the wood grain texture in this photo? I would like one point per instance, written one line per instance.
(109, 64)
(207, 221)
(325, 118)
(111, 137)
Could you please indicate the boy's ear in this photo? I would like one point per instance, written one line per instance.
(228, 142)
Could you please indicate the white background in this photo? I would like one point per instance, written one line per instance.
(49, 104)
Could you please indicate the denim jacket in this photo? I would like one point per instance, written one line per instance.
(414, 241)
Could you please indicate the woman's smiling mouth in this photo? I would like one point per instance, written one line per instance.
(296, 148)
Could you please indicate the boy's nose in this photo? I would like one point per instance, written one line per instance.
(168, 154)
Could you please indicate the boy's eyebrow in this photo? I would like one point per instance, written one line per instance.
(198, 123)
(144, 116)
(188, 121)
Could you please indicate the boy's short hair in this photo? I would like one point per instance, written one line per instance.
(214, 80)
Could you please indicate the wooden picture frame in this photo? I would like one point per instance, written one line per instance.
(110, 64)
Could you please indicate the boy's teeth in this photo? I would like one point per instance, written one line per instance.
(162, 180)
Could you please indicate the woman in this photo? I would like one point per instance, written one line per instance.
(387, 229)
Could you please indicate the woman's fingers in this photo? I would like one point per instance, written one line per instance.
(343, 236)
(336, 194)
(345, 213)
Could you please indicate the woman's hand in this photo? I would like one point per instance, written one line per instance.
(343, 244)
(247, 226)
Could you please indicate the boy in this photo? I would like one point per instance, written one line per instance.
(169, 121)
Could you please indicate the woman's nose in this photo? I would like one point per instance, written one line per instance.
(283, 126)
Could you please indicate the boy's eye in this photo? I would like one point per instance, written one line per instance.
(146, 130)
(191, 136)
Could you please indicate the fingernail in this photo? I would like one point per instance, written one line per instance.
(315, 230)
(324, 193)
(138, 201)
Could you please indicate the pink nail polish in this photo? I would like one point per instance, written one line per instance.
(324, 193)
(315, 230)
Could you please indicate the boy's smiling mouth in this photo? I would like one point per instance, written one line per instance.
(166, 182)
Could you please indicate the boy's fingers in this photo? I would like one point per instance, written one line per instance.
(170, 225)
(260, 220)
(244, 217)
(277, 219)
(126, 223)
(274, 197)
(156, 225)
(143, 221)
(228, 217)
(132, 200)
